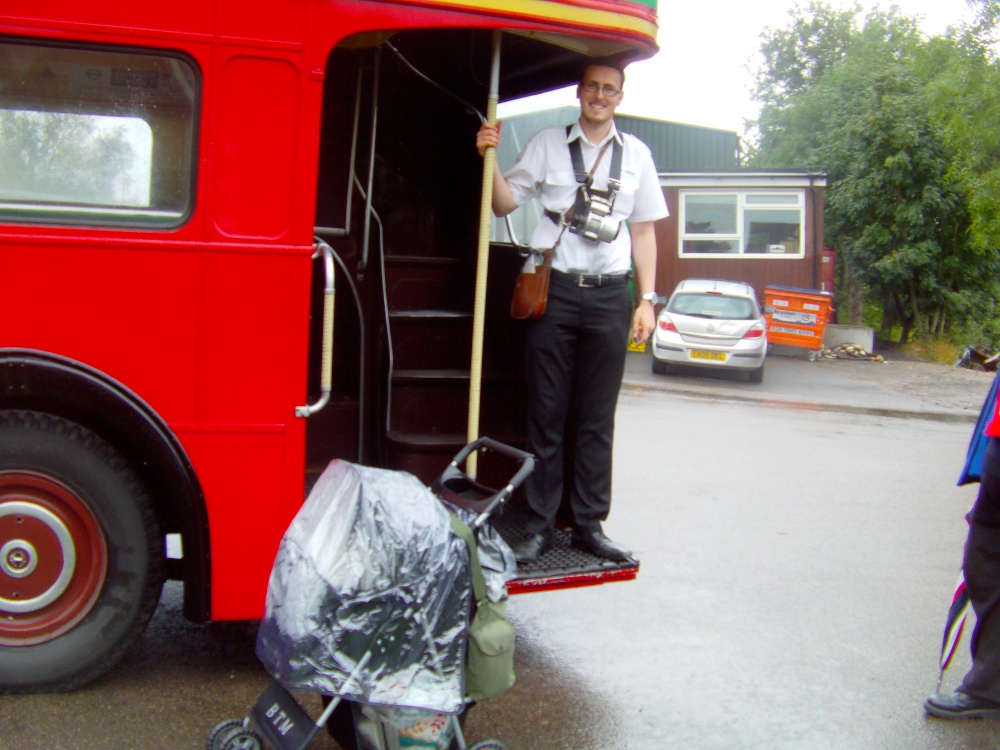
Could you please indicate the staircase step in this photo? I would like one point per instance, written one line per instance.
(440, 406)
(429, 406)
(456, 376)
(429, 315)
(415, 283)
(431, 339)
(431, 376)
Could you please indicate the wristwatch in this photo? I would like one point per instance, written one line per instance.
(649, 297)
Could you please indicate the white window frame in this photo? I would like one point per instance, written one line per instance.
(742, 206)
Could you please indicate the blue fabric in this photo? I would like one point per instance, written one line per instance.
(973, 469)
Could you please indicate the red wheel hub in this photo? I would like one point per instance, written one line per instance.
(53, 558)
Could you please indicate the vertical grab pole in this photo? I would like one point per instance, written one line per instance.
(482, 263)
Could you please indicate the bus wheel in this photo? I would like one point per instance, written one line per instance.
(80, 554)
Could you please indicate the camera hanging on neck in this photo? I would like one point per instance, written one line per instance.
(590, 216)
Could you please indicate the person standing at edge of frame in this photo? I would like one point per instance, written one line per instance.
(979, 694)
(576, 350)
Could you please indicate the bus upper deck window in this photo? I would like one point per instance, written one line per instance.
(92, 136)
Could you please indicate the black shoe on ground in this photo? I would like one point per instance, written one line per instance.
(960, 705)
(531, 548)
(596, 543)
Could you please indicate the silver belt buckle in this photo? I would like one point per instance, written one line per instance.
(581, 280)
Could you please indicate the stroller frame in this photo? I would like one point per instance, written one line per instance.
(277, 717)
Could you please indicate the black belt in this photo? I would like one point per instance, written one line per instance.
(591, 280)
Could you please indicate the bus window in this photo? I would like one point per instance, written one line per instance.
(93, 136)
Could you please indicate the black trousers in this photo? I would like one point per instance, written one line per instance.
(981, 567)
(575, 362)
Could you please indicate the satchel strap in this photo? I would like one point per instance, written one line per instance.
(462, 530)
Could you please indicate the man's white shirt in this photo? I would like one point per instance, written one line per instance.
(544, 170)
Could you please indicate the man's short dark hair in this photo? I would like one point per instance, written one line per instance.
(604, 62)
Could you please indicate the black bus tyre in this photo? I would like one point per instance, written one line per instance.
(81, 556)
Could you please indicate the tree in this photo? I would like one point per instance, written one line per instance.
(794, 59)
(872, 110)
(54, 156)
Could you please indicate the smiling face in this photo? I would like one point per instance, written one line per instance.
(597, 106)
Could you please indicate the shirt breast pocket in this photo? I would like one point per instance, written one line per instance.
(625, 200)
(560, 179)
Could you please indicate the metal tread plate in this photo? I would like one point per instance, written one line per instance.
(562, 566)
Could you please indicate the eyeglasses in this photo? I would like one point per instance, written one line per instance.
(593, 87)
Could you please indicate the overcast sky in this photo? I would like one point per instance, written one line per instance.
(700, 75)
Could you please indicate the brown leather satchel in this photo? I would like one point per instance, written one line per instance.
(531, 293)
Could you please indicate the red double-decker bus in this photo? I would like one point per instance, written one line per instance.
(237, 240)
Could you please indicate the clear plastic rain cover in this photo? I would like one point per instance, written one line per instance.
(370, 564)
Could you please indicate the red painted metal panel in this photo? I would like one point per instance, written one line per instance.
(249, 511)
(576, 580)
(126, 312)
(268, 20)
(136, 20)
(255, 136)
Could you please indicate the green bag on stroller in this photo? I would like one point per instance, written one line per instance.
(489, 661)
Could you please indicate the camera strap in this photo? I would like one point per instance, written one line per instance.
(586, 179)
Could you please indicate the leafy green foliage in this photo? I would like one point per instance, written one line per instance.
(54, 156)
(905, 128)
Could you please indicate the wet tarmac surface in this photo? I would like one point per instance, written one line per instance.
(797, 564)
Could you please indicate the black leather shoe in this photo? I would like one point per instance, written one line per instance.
(596, 543)
(961, 706)
(531, 548)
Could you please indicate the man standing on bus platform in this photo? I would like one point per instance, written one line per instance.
(576, 350)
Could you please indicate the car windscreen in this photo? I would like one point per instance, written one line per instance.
(712, 306)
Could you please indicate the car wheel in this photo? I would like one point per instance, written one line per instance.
(756, 376)
(660, 368)
(80, 554)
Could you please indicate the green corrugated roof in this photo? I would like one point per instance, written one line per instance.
(676, 146)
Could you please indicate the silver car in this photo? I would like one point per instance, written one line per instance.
(711, 323)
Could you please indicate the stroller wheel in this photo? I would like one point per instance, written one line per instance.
(244, 739)
(221, 732)
(233, 735)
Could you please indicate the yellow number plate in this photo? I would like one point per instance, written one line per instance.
(702, 354)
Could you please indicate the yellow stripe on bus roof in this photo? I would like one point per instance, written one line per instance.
(564, 12)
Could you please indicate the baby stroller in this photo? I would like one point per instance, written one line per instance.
(369, 601)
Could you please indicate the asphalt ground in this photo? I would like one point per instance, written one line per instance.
(895, 387)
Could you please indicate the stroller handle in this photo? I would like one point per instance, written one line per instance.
(496, 497)
(527, 459)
